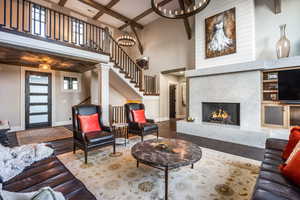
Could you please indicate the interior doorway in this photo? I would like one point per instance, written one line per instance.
(38, 98)
(172, 100)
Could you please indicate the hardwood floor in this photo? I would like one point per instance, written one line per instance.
(167, 129)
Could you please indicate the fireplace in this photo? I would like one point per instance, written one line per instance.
(221, 113)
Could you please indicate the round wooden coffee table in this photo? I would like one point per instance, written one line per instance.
(166, 154)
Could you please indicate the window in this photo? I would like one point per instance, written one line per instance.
(38, 24)
(77, 32)
(71, 83)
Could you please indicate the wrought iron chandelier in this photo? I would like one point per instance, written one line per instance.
(126, 40)
(178, 9)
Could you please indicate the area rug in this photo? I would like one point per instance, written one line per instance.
(43, 135)
(217, 176)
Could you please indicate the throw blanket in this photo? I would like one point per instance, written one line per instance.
(14, 160)
(45, 193)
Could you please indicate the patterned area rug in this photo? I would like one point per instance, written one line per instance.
(217, 176)
(42, 135)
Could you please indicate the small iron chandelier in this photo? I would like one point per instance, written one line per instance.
(183, 9)
(126, 40)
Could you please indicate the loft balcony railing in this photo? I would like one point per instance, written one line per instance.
(29, 19)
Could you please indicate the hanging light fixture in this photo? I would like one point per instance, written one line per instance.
(178, 9)
(126, 40)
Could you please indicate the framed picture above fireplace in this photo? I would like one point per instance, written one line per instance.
(221, 113)
(220, 34)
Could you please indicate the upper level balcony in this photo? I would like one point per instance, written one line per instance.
(29, 19)
(40, 29)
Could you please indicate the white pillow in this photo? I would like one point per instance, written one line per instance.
(295, 150)
(42, 194)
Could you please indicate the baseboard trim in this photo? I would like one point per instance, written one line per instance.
(62, 123)
(16, 128)
(161, 119)
(180, 116)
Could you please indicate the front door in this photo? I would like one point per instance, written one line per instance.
(38, 99)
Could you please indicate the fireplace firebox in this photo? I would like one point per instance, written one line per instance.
(221, 113)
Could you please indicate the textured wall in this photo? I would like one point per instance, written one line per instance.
(245, 30)
(243, 88)
(10, 87)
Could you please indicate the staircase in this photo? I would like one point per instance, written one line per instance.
(131, 71)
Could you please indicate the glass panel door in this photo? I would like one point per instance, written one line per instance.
(38, 99)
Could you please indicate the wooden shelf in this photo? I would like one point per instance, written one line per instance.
(270, 81)
(270, 91)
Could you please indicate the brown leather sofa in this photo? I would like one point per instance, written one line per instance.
(49, 172)
(271, 184)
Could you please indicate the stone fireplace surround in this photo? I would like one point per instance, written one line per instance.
(240, 83)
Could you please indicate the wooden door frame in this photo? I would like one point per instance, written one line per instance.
(176, 95)
(22, 94)
(27, 96)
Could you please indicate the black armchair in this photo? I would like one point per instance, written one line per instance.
(90, 140)
(141, 129)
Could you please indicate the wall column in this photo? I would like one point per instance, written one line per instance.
(100, 89)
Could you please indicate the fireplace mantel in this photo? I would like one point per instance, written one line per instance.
(258, 65)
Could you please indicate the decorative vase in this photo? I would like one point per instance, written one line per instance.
(283, 45)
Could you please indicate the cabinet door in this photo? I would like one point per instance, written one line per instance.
(274, 116)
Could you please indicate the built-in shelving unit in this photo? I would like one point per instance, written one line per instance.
(270, 86)
(277, 114)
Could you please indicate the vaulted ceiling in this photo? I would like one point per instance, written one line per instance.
(131, 9)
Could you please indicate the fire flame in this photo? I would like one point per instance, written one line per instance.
(220, 114)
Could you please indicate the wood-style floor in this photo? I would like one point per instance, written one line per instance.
(168, 129)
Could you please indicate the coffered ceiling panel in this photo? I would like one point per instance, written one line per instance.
(55, 1)
(149, 18)
(81, 8)
(132, 8)
(107, 19)
(103, 2)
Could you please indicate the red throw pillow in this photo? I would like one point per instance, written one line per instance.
(291, 170)
(139, 116)
(89, 123)
(293, 141)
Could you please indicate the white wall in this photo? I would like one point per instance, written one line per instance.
(11, 102)
(10, 87)
(165, 42)
(115, 98)
(267, 27)
(64, 100)
(245, 30)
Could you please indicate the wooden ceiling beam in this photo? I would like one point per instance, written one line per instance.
(62, 3)
(144, 14)
(111, 13)
(109, 5)
(186, 21)
(141, 49)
